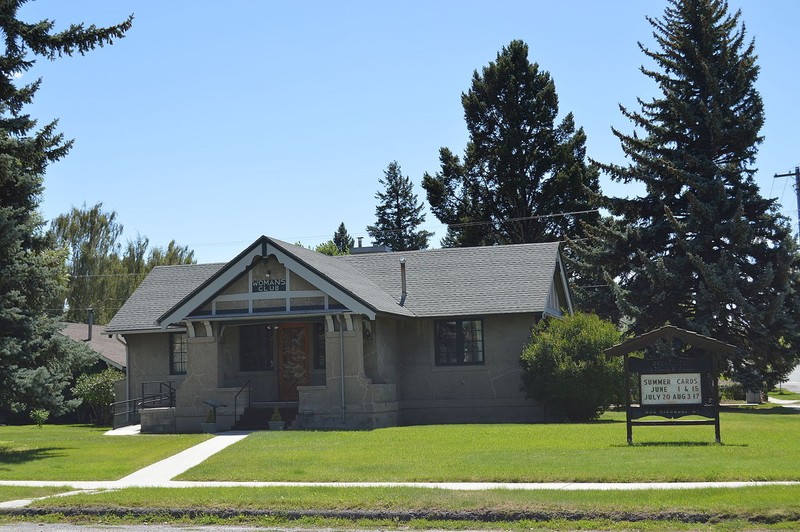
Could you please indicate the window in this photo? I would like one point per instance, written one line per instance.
(256, 347)
(177, 353)
(319, 346)
(458, 342)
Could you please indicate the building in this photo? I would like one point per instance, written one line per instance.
(110, 351)
(361, 341)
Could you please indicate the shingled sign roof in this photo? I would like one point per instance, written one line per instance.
(443, 282)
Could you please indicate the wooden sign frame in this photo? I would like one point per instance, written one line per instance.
(679, 386)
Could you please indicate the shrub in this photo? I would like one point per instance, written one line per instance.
(565, 368)
(97, 391)
(39, 416)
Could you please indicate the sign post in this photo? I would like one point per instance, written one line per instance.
(672, 385)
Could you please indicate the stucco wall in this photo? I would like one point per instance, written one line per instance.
(148, 361)
(487, 393)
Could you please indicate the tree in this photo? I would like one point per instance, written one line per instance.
(33, 363)
(398, 214)
(701, 249)
(564, 366)
(343, 241)
(102, 275)
(96, 390)
(90, 236)
(519, 168)
(328, 248)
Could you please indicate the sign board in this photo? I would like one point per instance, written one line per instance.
(675, 384)
(269, 285)
(670, 389)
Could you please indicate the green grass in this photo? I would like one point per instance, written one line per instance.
(419, 508)
(758, 444)
(786, 395)
(81, 452)
(743, 502)
(16, 493)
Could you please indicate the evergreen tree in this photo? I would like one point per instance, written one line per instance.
(343, 241)
(34, 364)
(702, 249)
(519, 166)
(398, 214)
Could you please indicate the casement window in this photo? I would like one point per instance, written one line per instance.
(177, 353)
(256, 347)
(458, 342)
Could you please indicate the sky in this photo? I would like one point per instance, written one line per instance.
(213, 123)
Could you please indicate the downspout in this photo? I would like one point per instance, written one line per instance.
(341, 368)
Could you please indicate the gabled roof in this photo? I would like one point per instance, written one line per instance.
(443, 282)
(110, 350)
(163, 287)
(464, 281)
(668, 332)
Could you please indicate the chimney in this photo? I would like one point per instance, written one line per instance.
(403, 293)
(90, 312)
(360, 238)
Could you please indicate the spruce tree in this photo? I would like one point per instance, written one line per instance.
(343, 241)
(35, 364)
(701, 249)
(520, 166)
(398, 214)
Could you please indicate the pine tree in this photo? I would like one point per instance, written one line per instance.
(398, 214)
(343, 241)
(702, 249)
(35, 366)
(519, 166)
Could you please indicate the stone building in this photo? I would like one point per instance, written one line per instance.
(360, 341)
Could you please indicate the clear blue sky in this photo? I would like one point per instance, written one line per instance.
(213, 123)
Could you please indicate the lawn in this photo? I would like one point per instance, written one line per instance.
(786, 395)
(81, 452)
(758, 444)
(765, 500)
(15, 493)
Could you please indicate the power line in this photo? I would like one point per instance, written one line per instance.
(521, 218)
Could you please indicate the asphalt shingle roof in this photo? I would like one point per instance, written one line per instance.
(109, 349)
(464, 281)
(441, 282)
(162, 289)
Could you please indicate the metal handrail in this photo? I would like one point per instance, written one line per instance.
(236, 400)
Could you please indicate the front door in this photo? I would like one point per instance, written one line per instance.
(293, 359)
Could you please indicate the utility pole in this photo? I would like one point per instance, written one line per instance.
(796, 175)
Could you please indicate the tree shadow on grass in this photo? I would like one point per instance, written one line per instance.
(10, 456)
(687, 444)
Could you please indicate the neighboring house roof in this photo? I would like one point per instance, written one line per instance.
(443, 282)
(110, 350)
